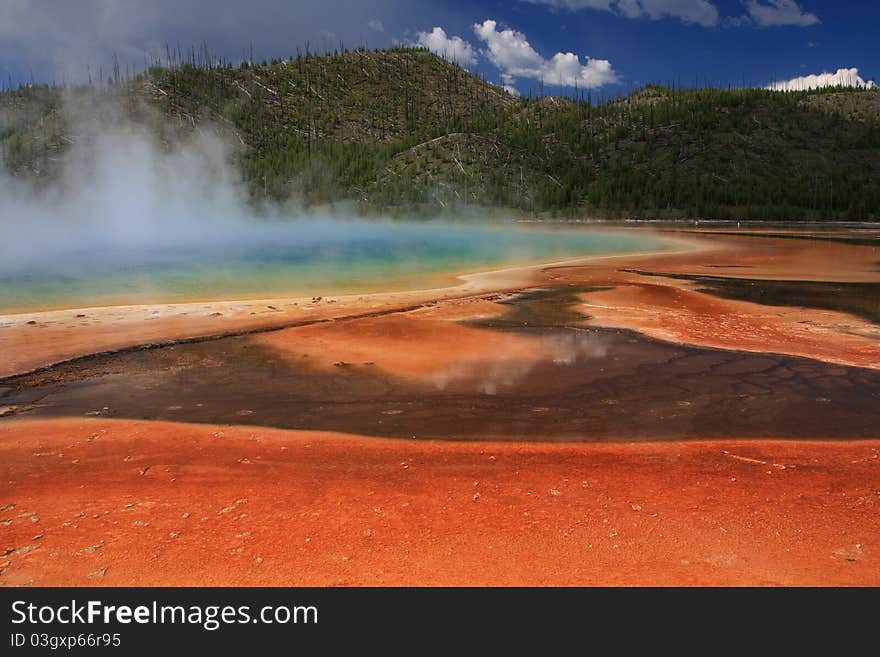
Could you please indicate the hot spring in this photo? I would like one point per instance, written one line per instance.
(263, 259)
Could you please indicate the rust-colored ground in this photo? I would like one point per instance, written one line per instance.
(35, 339)
(664, 308)
(102, 502)
(98, 501)
(670, 309)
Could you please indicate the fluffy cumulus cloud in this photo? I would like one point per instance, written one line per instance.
(700, 12)
(773, 13)
(515, 57)
(453, 48)
(844, 77)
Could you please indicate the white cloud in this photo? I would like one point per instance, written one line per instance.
(772, 13)
(737, 21)
(845, 77)
(700, 12)
(507, 83)
(453, 48)
(375, 24)
(511, 52)
(764, 13)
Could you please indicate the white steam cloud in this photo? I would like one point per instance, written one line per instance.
(119, 187)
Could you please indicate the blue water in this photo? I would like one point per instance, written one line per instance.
(271, 259)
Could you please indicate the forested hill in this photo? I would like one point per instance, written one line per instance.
(406, 130)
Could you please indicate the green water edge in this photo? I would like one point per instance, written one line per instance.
(381, 258)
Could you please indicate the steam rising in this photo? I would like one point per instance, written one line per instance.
(144, 213)
(121, 188)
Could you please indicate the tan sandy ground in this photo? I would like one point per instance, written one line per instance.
(103, 502)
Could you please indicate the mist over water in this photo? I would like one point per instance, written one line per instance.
(133, 220)
(121, 188)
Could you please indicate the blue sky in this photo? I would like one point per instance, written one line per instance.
(607, 45)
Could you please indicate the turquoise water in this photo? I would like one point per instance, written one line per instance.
(272, 259)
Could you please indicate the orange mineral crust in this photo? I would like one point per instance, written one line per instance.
(642, 294)
(126, 502)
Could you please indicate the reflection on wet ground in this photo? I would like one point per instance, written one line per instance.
(589, 385)
(859, 299)
(494, 376)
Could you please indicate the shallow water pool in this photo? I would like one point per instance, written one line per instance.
(273, 259)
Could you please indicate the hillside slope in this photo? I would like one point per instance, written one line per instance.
(405, 129)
